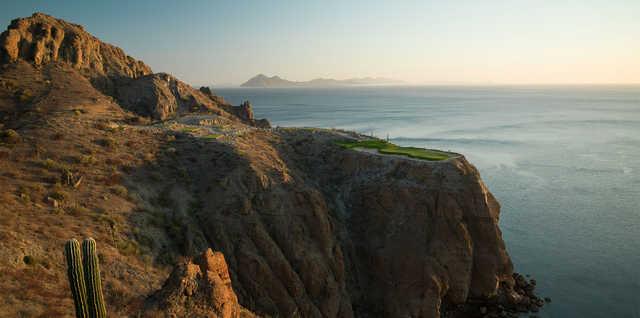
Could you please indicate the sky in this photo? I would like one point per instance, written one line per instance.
(420, 42)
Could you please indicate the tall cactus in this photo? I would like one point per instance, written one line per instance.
(95, 298)
(76, 277)
(84, 279)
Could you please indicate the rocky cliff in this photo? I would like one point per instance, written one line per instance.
(42, 40)
(312, 229)
(300, 226)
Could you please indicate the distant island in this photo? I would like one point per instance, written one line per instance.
(262, 80)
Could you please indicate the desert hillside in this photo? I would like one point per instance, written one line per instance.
(201, 210)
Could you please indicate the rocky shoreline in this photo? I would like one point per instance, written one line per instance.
(511, 302)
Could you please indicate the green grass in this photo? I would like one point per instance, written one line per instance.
(391, 149)
(212, 136)
(189, 129)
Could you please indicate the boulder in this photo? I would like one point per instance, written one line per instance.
(198, 288)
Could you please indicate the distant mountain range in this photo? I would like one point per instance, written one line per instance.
(262, 80)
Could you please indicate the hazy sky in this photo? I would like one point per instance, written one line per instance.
(481, 42)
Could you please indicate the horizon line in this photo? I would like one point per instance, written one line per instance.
(441, 84)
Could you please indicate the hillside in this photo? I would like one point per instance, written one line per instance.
(201, 210)
(262, 80)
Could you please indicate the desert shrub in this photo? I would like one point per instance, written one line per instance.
(145, 240)
(107, 142)
(137, 120)
(8, 84)
(58, 193)
(119, 190)
(79, 111)
(24, 96)
(31, 260)
(57, 136)
(128, 247)
(106, 126)
(88, 160)
(113, 178)
(78, 210)
(54, 165)
(27, 192)
(10, 136)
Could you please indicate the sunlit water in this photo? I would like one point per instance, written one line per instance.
(564, 162)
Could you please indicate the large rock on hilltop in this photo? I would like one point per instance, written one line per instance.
(41, 39)
(162, 96)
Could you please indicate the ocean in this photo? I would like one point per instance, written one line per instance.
(564, 162)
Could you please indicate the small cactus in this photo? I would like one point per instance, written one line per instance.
(75, 273)
(84, 279)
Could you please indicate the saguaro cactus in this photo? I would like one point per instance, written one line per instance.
(83, 271)
(95, 298)
(75, 273)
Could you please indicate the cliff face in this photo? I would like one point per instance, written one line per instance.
(310, 228)
(42, 39)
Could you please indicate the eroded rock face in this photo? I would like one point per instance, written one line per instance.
(162, 96)
(311, 229)
(42, 39)
(198, 288)
(244, 111)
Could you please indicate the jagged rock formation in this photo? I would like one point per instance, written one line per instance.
(198, 288)
(162, 96)
(244, 111)
(42, 39)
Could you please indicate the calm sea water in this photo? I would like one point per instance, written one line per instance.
(563, 161)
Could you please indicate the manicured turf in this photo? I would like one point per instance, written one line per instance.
(189, 129)
(391, 149)
(212, 136)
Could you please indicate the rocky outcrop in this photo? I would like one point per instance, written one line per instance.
(162, 96)
(42, 39)
(244, 111)
(198, 288)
